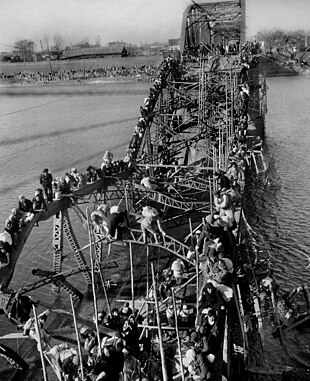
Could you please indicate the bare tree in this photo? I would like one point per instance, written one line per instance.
(46, 42)
(97, 41)
(59, 42)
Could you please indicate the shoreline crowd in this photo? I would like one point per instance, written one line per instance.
(78, 75)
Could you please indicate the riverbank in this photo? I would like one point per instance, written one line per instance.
(23, 82)
(80, 64)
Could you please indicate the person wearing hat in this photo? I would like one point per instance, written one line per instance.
(178, 268)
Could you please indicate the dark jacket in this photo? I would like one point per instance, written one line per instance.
(25, 206)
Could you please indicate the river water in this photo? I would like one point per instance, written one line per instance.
(72, 126)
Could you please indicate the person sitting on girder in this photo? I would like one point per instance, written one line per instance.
(39, 203)
(26, 207)
(78, 177)
(5, 254)
(92, 174)
(14, 224)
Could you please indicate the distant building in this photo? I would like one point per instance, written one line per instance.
(173, 48)
(174, 43)
(97, 52)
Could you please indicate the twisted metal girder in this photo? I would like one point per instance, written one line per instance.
(210, 23)
(82, 264)
(170, 244)
(57, 246)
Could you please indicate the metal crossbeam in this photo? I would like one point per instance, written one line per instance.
(170, 244)
(57, 246)
(71, 237)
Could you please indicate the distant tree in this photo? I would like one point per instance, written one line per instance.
(97, 41)
(46, 42)
(26, 48)
(59, 44)
(281, 38)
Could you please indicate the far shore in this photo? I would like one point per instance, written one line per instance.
(79, 65)
(4, 83)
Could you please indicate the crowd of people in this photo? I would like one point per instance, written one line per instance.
(126, 353)
(60, 75)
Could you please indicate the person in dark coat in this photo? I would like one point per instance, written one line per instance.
(210, 297)
(222, 180)
(209, 232)
(14, 224)
(46, 180)
(38, 202)
(26, 206)
(117, 223)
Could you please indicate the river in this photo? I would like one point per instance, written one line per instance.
(72, 126)
(281, 208)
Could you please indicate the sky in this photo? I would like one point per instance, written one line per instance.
(135, 21)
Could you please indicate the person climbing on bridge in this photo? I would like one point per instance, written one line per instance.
(29, 329)
(151, 223)
(46, 180)
(26, 207)
(5, 254)
(14, 224)
(178, 269)
(100, 226)
(222, 180)
(147, 182)
(116, 219)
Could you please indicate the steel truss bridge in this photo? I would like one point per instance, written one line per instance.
(184, 132)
